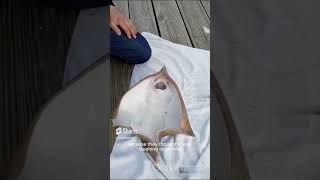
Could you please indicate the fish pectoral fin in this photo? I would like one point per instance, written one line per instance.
(170, 132)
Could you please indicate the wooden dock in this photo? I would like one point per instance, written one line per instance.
(181, 21)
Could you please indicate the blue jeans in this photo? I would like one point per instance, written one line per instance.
(131, 51)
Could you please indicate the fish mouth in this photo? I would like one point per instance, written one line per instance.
(162, 81)
(160, 85)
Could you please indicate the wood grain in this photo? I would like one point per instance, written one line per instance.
(120, 72)
(170, 22)
(123, 6)
(195, 20)
(141, 13)
(206, 5)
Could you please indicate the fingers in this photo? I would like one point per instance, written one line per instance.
(132, 29)
(126, 28)
(126, 25)
(115, 28)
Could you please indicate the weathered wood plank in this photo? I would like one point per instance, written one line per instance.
(120, 78)
(141, 13)
(206, 5)
(123, 6)
(170, 22)
(120, 72)
(195, 19)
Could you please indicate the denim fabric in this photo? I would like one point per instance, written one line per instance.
(132, 51)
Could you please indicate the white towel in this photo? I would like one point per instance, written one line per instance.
(190, 69)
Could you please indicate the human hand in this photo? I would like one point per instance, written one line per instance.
(117, 21)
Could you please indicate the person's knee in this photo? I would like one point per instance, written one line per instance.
(134, 51)
(143, 54)
(140, 51)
